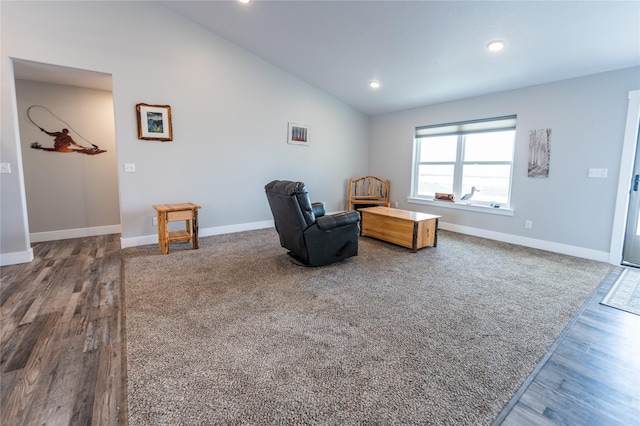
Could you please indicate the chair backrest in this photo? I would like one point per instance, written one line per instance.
(368, 190)
(292, 212)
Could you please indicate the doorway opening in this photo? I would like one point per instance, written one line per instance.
(68, 194)
(631, 248)
(628, 170)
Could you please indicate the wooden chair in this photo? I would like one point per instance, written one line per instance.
(369, 191)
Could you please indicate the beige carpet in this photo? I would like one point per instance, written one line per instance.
(625, 292)
(235, 333)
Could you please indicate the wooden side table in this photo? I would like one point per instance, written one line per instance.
(173, 212)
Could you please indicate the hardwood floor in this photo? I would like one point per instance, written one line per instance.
(590, 377)
(63, 360)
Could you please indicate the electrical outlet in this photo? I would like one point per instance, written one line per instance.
(528, 224)
(395, 204)
(154, 221)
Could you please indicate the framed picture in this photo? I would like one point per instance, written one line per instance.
(539, 153)
(298, 134)
(154, 122)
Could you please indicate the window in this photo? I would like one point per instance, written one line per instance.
(455, 157)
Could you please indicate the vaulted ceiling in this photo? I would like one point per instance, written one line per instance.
(426, 52)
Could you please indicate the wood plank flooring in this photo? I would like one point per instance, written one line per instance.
(62, 359)
(62, 356)
(590, 377)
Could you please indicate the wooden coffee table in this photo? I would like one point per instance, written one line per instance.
(405, 228)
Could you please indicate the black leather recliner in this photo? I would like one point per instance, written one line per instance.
(311, 237)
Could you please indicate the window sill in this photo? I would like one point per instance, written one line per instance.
(503, 211)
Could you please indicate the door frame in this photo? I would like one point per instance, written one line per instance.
(624, 180)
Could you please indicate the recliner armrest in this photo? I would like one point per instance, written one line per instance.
(318, 209)
(339, 219)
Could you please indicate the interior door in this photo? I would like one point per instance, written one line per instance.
(631, 250)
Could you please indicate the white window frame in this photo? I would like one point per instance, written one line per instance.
(461, 129)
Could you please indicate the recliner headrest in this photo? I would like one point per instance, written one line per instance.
(286, 187)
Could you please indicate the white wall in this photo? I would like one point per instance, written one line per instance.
(68, 193)
(230, 112)
(570, 212)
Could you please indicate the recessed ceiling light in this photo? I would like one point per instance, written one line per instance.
(245, 1)
(495, 45)
(374, 84)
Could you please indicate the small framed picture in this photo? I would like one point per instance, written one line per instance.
(298, 134)
(154, 122)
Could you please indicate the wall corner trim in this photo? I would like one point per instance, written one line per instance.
(15, 258)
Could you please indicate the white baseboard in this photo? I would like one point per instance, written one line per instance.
(65, 234)
(16, 257)
(229, 229)
(584, 253)
(27, 256)
(203, 232)
(144, 240)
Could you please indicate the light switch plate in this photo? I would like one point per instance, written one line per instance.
(5, 167)
(598, 173)
(129, 167)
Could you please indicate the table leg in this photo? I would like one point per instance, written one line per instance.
(163, 234)
(435, 235)
(194, 229)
